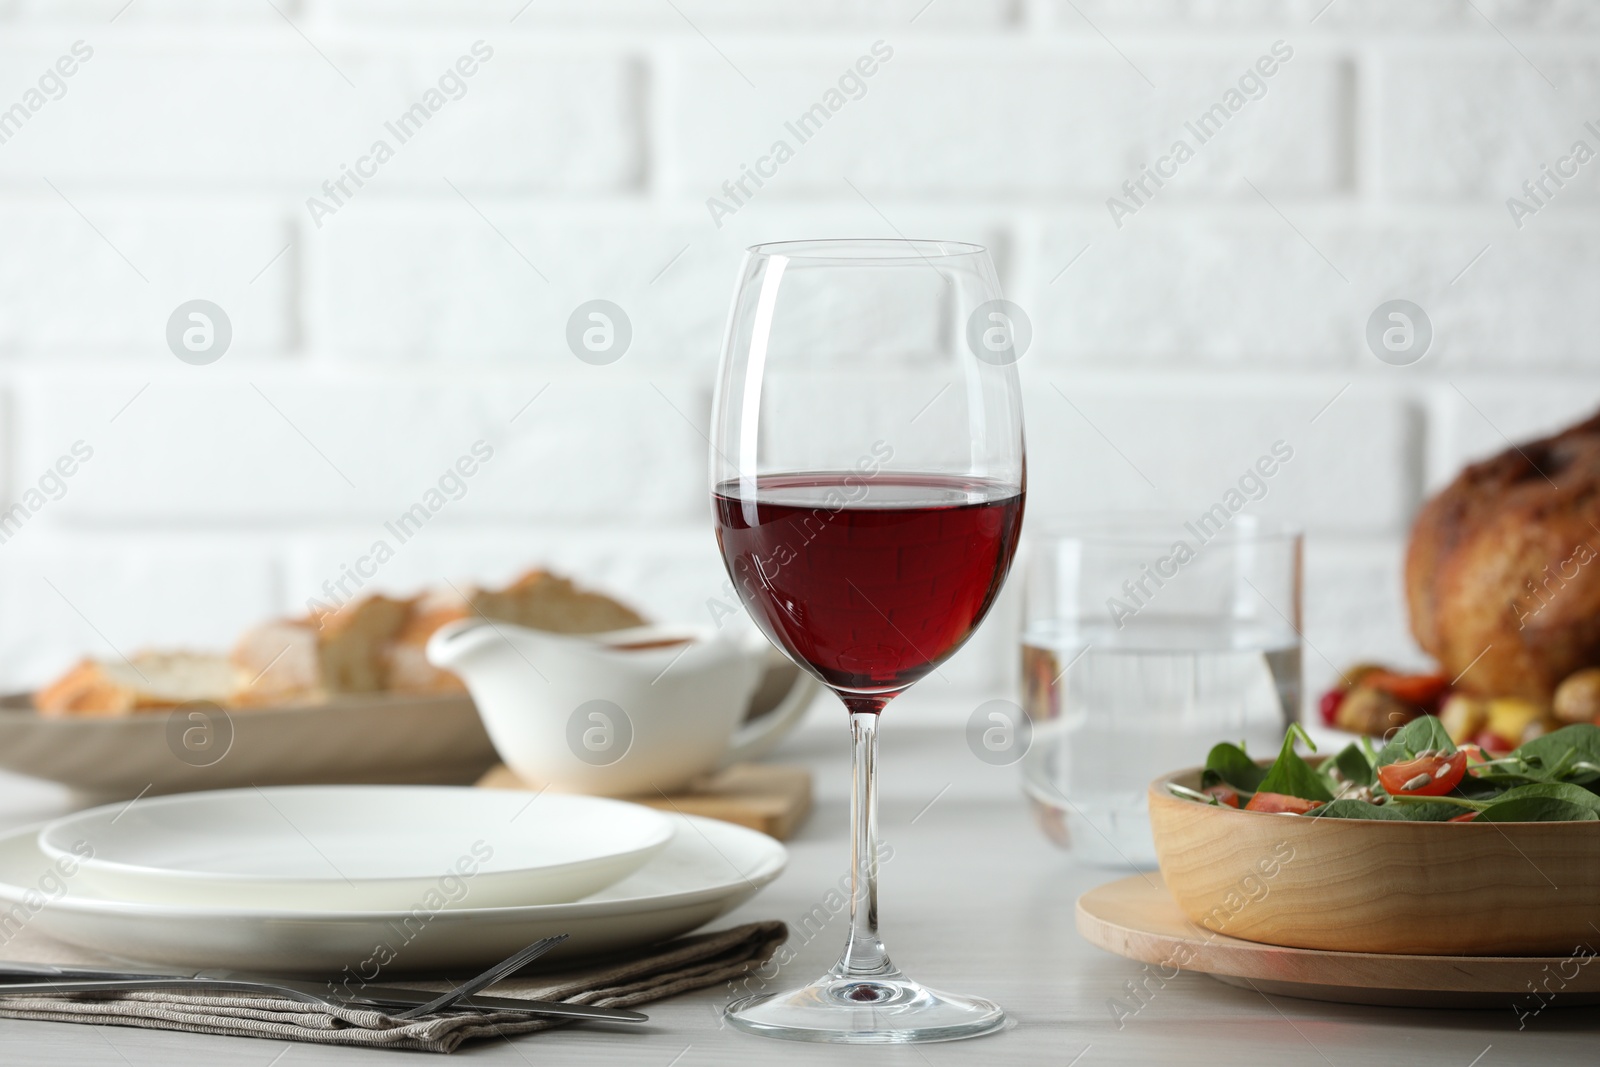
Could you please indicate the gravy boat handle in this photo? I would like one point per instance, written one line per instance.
(756, 738)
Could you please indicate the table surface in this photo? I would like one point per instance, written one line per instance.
(973, 900)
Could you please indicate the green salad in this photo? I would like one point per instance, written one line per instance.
(1418, 775)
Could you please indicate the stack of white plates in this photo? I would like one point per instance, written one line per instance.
(320, 879)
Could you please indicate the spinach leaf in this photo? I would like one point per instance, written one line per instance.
(1521, 799)
(1552, 756)
(1563, 791)
(1231, 764)
(1474, 788)
(1357, 809)
(1291, 775)
(1428, 811)
(1504, 776)
(1418, 735)
(1537, 809)
(1353, 764)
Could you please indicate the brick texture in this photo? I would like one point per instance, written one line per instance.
(382, 327)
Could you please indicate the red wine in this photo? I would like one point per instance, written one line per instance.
(872, 581)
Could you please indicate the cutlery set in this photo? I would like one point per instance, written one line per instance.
(39, 979)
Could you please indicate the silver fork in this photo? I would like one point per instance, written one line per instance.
(510, 965)
(311, 993)
(417, 1002)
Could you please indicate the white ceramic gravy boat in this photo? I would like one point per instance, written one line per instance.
(619, 714)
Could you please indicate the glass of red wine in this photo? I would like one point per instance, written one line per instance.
(868, 481)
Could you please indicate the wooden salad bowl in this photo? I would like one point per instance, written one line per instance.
(1348, 885)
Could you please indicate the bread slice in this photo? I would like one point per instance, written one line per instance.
(538, 600)
(406, 657)
(150, 681)
(313, 658)
(369, 645)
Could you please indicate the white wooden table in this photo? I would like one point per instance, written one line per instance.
(975, 900)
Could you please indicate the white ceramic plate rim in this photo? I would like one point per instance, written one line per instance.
(771, 865)
(658, 838)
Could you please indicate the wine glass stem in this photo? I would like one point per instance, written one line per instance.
(864, 955)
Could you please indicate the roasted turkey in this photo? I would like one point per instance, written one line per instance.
(1501, 572)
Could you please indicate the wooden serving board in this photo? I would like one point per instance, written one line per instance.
(768, 797)
(1136, 917)
(378, 738)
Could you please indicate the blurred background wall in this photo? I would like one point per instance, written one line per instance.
(167, 151)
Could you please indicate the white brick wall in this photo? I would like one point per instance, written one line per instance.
(1091, 121)
(373, 349)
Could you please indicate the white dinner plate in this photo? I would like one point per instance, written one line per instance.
(709, 868)
(357, 848)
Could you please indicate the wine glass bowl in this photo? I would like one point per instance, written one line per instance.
(868, 482)
(881, 589)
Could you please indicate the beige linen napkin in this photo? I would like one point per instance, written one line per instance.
(693, 962)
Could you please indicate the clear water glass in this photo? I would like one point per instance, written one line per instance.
(1146, 640)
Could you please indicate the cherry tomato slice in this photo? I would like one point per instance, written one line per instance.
(1433, 775)
(1468, 817)
(1492, 742)
(1423, 690)
(1225, 794)
(1329, 707)
(1279, 802)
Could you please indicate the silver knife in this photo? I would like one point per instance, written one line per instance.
(82, 980)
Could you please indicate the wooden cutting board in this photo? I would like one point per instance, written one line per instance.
(772, 798)
(1136, 917)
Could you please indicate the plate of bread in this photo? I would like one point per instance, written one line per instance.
(341, 696)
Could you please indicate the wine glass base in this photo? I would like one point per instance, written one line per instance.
(876, 1011)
